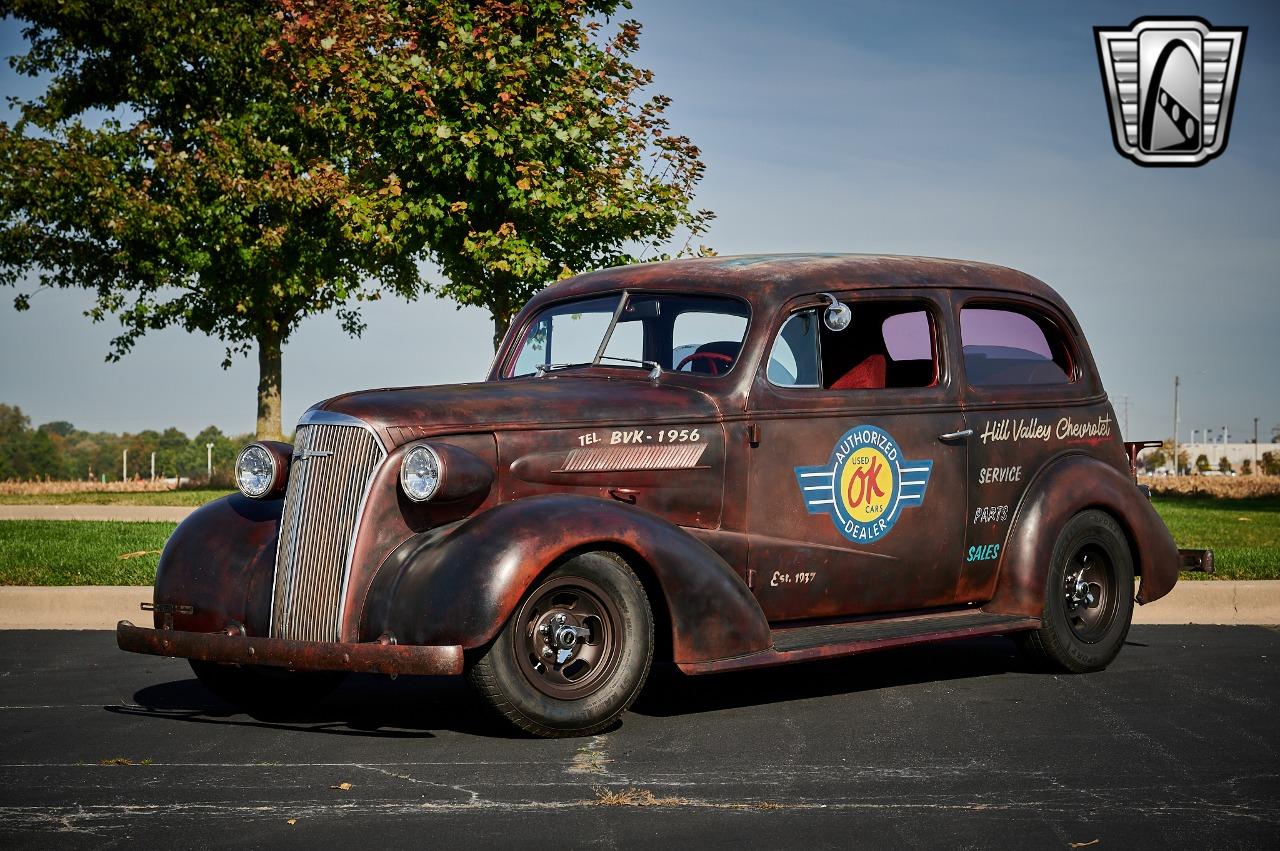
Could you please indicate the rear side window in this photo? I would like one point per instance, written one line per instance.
(1010, 347)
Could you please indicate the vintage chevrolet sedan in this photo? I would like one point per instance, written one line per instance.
(721, 463)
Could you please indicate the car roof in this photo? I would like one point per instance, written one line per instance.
(773, 279)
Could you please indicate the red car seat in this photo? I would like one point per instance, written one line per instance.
(867, 375)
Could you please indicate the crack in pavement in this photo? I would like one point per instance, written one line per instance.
(81, 818)
(474, 795)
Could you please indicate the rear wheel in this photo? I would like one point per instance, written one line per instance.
(576, 652)
(263, 689)
(1088, 596)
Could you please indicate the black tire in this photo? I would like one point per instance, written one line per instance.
(1088, 603)
(582, 688)
(264, 689)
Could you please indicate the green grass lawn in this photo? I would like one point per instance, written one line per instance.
(66, 552)
(180, 498)
(1244, 534)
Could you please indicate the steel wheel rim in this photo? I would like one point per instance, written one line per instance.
(553, 665)
(1089, 593)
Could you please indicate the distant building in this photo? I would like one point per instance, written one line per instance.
(1236, 453)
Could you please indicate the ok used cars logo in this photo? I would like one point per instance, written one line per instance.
(864, 485)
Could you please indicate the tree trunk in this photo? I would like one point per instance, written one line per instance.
(269, 345)
(501, 322)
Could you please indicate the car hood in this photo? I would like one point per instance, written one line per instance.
(557, 400)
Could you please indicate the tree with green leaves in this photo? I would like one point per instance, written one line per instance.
(513, 141)
(167, 168)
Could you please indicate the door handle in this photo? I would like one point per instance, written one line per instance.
(963, 434)
(627, 495)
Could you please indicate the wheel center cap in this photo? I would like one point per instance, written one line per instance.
(566, 637)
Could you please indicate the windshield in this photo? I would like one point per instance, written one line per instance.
(697, 334)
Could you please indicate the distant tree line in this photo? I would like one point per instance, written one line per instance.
(60, 451)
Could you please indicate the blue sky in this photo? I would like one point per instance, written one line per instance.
(976, 131)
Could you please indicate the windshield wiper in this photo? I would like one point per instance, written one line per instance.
(543, 368)
(655, 368)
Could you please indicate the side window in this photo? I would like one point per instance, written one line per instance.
(888, 344)
(1010, 347)
(794, 360)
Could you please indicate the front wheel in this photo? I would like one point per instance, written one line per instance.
(1088, 602)
(576, 652)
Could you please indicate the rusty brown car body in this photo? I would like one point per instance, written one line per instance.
(765, 518)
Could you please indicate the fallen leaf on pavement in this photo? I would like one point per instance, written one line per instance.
(343, 786)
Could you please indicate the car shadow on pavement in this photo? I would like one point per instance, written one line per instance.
(412, 707)
(364, 705)
(671, 693)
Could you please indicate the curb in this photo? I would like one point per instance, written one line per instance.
(1209, 602)
(1226, 602)
(126, 513)
(72, 607)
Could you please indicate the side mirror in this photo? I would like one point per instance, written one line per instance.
(837, 316)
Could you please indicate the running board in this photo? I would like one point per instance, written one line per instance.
(827, 641)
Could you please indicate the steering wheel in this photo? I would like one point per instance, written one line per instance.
(712, 359)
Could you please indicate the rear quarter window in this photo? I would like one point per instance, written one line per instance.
(1008, 347)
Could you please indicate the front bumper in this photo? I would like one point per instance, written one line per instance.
(371, 658)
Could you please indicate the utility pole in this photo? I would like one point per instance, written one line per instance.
(153, 466)
(1176, 467)
(209, 451)
(1126, 415)
(124, 466)
(1255, 446)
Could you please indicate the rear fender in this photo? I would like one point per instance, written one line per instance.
(459, 584)
(1068, 486)
(221, 561)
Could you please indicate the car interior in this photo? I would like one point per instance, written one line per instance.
(888, 344)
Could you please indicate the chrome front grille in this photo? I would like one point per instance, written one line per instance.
(328, 482)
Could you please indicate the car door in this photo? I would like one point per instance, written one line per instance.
(1029, 399)
(856, 498)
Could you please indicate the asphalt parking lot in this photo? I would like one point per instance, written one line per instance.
(956, 745)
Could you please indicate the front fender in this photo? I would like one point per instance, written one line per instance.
(220, 561)
(459, 584)
(1068, 486)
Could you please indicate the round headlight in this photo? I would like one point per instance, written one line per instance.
(255, 471)
(420, 473)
